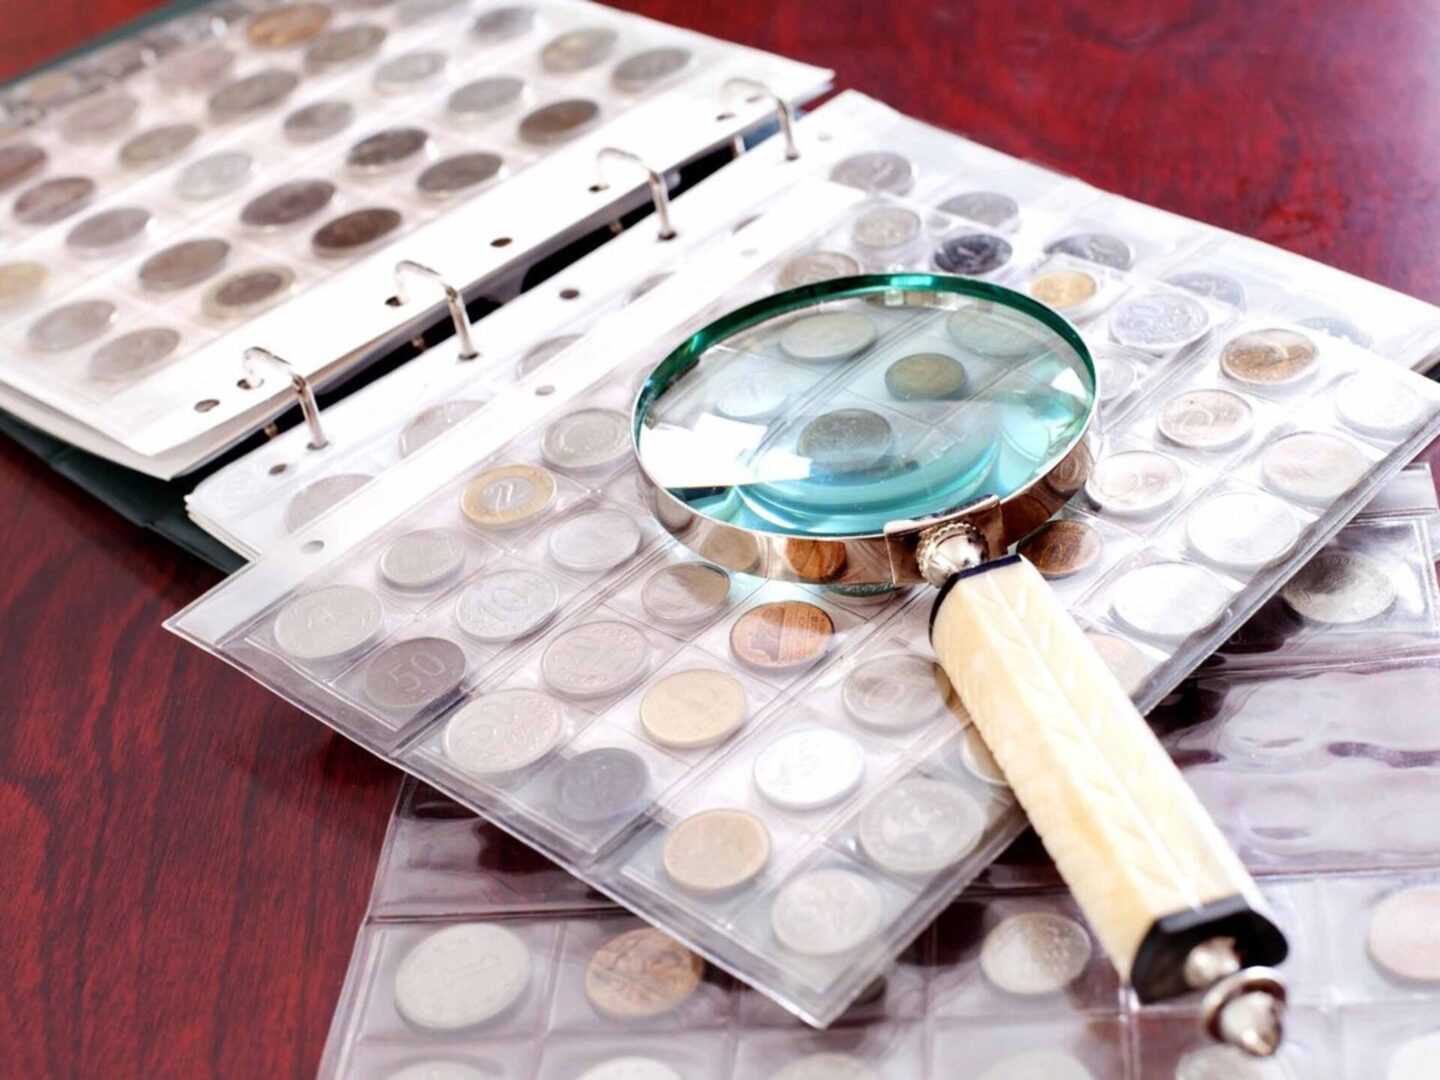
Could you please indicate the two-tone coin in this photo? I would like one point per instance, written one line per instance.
(251, 95)
(109, 230)
(71, 325)
(1312, 467)
(461, 976)
(430, 423)
(355, 232)
(1273, 357)
(694, 708)
(876, 171)
(1062, 547)
(640, 71)
(503, 732)
(1159, 321)
(826, 913)
(896, 693)
(314, 499)
(836, 335)
(158, 145)
(594, 540)
(1242, 530)
(409, 71)
(214, 175)
(972, 254)
(53, 200)
(1135, 482)
(1064, 289)
(506, 605)
(479, 100)
(422, 559)
(926, 376)
(885, 227)
(182, 265)
(1340, 588)
(1105, 249)
(685, 593)
(410, 674)
(458, 173)
(558, 121)
(809, 768)
(600, 785)
(920, 826)
(781, 636)
(1169, 601)
(845, 441)
(1035, 952)
(1206, 419)
(318, 121)
(587, 439)
(328, 623)
(814, 267)
(990, 208)
(132, 354)
(242, 294)
(716, 851)
(508, 496)
(641, 974)
(577, 50)
(596, 659)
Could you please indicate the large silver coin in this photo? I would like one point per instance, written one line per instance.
(109, 230)
(836, 335)
(1242, 530)
(215, 175)
(630, 1068)
(338, 46)
(596, 659)
(506, 605)
(876, 171)
(412, 673)
(247, 292)
(896, 692)
(184, 264)
(686, 593)
(826, 913)
(578, 49)
(558, 121)
(646, 69)
(408, 71)
(318, 121)
(587, 439)
(354, 232)
(1212, 286)
(479, 100)
(71, 325)
(593, 541)
(1159, 321)
(504, 23)
(461, 976)
(986, 207)
(286, 204)
(1340, 588)
(429, 424)
(100, 118)
(388, 151)
(1102, 248)
(133, 354)
(809, 768)
(885, 227)
(157, 145)
(1135, 482)
(814, 267)
(1206, 419)
(825, 1065)
(252, 94)
(920, 826)
(457, 173)
(422, 559)
(1312, 467)
(845, 441)
(503, 731)
(1169, 600)
(1378, 404)
(601, 785)
(53, 200)
(1035, 953)
(311, 501)
(328, 623)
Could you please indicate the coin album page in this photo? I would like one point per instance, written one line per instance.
(257, 187)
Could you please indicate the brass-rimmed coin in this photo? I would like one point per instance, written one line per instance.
(282, 27)
(926, 376)
(641, 974)
(1312, 466)
(19, 161)
(783, 635)
(558, 121)
(246, 292)
(876, 171)
(577, 50)
(1064, 290)
(287, 204)
(508, 496)
(643, 70)
(351, 233)
(1206, 419)
(1135, 482)
(504, 23)
(814, 267)
(71, 325)
(1105, 249)
(458, 173)
(21, 280)
(252, 94)
(132, 354)
(690, 709)
(101, 118)
(1061, 548)
(341, 45)
(184, 264)
(479, 100)
(716, 851)
(1340, 588)
(314, 499)
(157, 145)
(388, 150)
(1269, 357)
(407, 71)
(108, 230)
(1404, 934)
(53, 200)
(318, 121)
(214, 175)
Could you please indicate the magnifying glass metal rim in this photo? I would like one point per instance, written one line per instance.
(908, 551)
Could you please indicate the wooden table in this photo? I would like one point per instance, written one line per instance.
(184, 859)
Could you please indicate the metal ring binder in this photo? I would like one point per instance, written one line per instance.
(784, 115)
(254, 357)
(659, 193)
(453, 300)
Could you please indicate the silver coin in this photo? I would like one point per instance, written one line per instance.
(986, 207)
(478, 101)
(20, 161)
(412, 673)
(1232, 1063)
(972, 254)
(71, 325)
(314, 499)
(328, 623)
(461, 976)
(215, 175)
(1035, 952)
(196, 69)
(504, 23)
(1169, 601)
(544, 352)
(991, 331)
(1104, 249)
(287, 204)
(630, 1068)
(459, 172)
(109, 230)
(1159, 321)
(876, 171)
(587, 439)
(744, 396)
(1115, 377)
(1212, 286)
(826, 1065)
(920, 826)
(506, 605)
(354, 232)
(409, 12)
(157, 145)
(558, 121)
(832, 336)
(1242, 530)
(577, 50)
(686, 593)
(1378, 405)
(337, 46)
(979, 762)
(1135, 482)
(318, 121)
(1338, 327)
(1312, 467)
(422, 559)
(503, 731)
(896, 692)
(596, 540)
(644, 69)
(1416, 1058)
(133, 354)
(184, 264)
(809, 768)
(885, 227)
(1206, 419)
(247, 292)
(601, 785)
(405, 72)
(1340, 588)
(826, 913)
(814, 267)
(53, 200)
(388, 150)
(253, 94)
(596, 659)
(845, 441)
(429, 424)
(101, 118)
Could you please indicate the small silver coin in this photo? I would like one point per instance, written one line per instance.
(109, 230)
(247, 292)
(1104, 249)
(429, 424)
(182, 265)
(53, 200)
(596, 540)
(461, 976)
(19, 161)
(809, 768)
(986, 207)
(408, 71)
(885, 227)
(412, 673)
(157, 145)
(314, 499)
(337, 46)
(503, 731)
(1135, 482)
(920, 826)
(1212, 286)
(479, 100)
(587, 439)
(845, 441)
(422, 559)
(287, 204)
(814, 267)
(1035, 952)
(318, 121)
(832, 336)
(895, 693)
(972, 254)
(876, 171)
(1115, 375)
(596, 659)
(1338, 327)
(71, 325)
(1206, 419)
(504, 23)
(544, 352)
(196, 69)
(328, 623)
(601, 785)
(826, 913)
(253, 94)
(558, 121)
(1159, 321)
(1312, 467)
(101, 118)
(459, 172)
(133, 354)
(1378, 405)
(1340, 588)
(215, 175)
(409, 12)
(506, 605)
(351, 233)
(1242, 530)
(686, 593)
(578, 49)
(1169, 600)
(643, 70)
(388, 150)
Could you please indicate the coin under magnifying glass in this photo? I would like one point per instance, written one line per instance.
(19, 281)
(686, 593)
(157, 145)
(71, 325)
(1312, 467)
(876, 171)
(354, 232)
(247, 292)
(972, 254)
(196, 69)
(587, 439)
(253, 94)
(1043, 1065)
(926, 377)
(826, 1065)
(809, 768)
(1206, 419)
(1378, 405)
(814, 267)
(544, 352)
(1035, 952)
(836, 335)
(95, 120)
(920, 826)
(885, 227)
(982, 327)
(578, 49)
(53, 200)
(645, 69)
(328, 623)
(286, 204)
(1159, 321)
(601, 785)
(109, 230)
(1061, 548)
(1416, 1059)
(1125, 661)
(1404, 935)
(641, 974)
(1064, 290)
(481, 99)
(342, 45)
(896, 692)
(594, 541)
(826, 913)
(1269, 357)
(845, 441)
(781, 636)
(1096, 247)
(503, 732)
(460, 172)
(1340, 588)
(508, 496)
(184, 264)
(507, 605)
(1210, 285)
(716, 851)
(414, 672)
(558, 121)
(20, 161)
(387, 151)
(215, 175)
(429, 424)
(1242, 530)
(1135, 482)
(1337, 327)
(691, 709)
(133, 354)
(1169, 601)
(985, 207)
(285, 26)
(311, 501)
(596, 659)
(422, 559)
(461, 976)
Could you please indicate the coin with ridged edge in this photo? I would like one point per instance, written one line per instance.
(826, 912)
(461, 976)
(506, 605)
(1312, 467)
(1061, 548)
(503, 731)
(641, 974)
(1340, 588)
(587, 439)
(1274, 357)
(508, 496)
(314, 499)
(595, 659)
(897, 692)
(809, 768)
(412, 673)
(685, 593)
(690, 709)
(328, 623)
(920, 826)
(876, 171)
(1035, 952)
(1135, 482)
(781, 636)
(601, 785)
(716, 851)
(422, 559)
(814, 267)
(1206, 419)
(836, 335)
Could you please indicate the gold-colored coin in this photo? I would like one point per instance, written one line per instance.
(1269, 357)
(690, 709)
(1064, 289)
(815, 560)
(734, 549)
(282, 27)
(1061, 548)
(508, 496)
(640, 974)
(19, 281)
(782, 636)
(716, 851)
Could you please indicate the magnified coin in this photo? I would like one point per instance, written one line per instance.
(593, 541)
(53, 200)
(641, 974)
(645, 69)
(1242, 530)
(896, 692)
(103, 233)
(587, 439)
(876, 171)
(341, 45)
(544, 352)
(845, 441)
(1269, 357)
(252, 94)
(1338, 327)
(1416, 1059)
(686, 593)
(578, 49)
(988, 330)
(407, 71)
(100, 118)
(388, 150)
(19, 281)
(1340, 588)
(1095, 247)
(834, 336)
(716, 851)
(826, 913)
(429, 424)
(1169, 600)
(1159, 321)
(157, 145)
(690, 709)
(814, 267)
(481, 99)
(926, 377)
(508, 496)
(184, 264)
(282, 27)
(506, 605)
(920, 826)
(318, 121)
(1035, 953)
(1404, 935)
(972, 254)
(596, 659)
(784, 635)
(461, 976)
(460, 172)
(354, 232)
(132, 354)
(328, 623)
(809, 768)
(1312, 467)
(1378, 405)
(503, 731)
(1211, 285)
(422, 559)
(215, 175)
(885, 227)
(1064, 290)
(1135, 482)
(1125, 661)
(1061, 548)
(20, 161)
(196, 69)
(826, 1065)
(743, 396)
(71, 325)
(314, 499)
(413, 673)
(558, 121)
(1206, 419)
(601, 785)
(287, 204)
(1042, 1065)
(243, 294)
(504, 23)
(986, 207)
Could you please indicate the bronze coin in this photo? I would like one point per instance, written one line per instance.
(815, 560)
(782, 636)
(355, 231)
(1061, 548)
(641, 974)
(1269, 357)
(558, 121)
(282, 27)
(53, 200)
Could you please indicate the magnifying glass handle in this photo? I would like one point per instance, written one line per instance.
(1167, 897)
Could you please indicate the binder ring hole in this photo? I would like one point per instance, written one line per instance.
(250, 383)
(395, 301)
(501, 241)
(569, 294)
(310, 547)
(277, 469)
(595, 189)
(544, 391)
(724, 116)
(206, 405)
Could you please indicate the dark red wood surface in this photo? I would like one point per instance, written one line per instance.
(184, 859)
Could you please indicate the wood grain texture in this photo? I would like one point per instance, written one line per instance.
(184, 859)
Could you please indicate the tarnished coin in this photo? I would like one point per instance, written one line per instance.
(196, 69)
(184, 264)
(1206, 419)
(1404, 934)
(558, 121)
(972, 254)
(282, 27)
(1242, 530)
(601, 785)
(826, 913)
(876, 171)
(109, 230)
(1228, 1063)
(133, 354)
(508, 496)
(630, 1068)
(429, 424)
(1269, 357)
(685, 593)
(814, 267)
(71, 325)
(457, 173)
(1312, 467)
(896, 692)
(691, 709)
(214, 175)
(992, 331)
(825, 1065)
(1064, 290)
(1035, 953)
(503, 731)
(1340, 588)
(20, 281)
(328, 623)
(504, 23)
(920, 826)
(587, 439)
(157, 145)
(99, 118)
(1338, 327)
(643, 70)
(1040, 1065)
(1102, 248)
(1125, 661)
(1416, 1059)
(311, 501)
(53, 200)
(19, 161)
(1135, 482)
(784, 635)
(1378, 405)
(461, 976)
(409, 71)
(986, 207)
(318, 121)
(1169, 601)
(481, 99)
(422, 559)
(1062, 547)
(388, 150)
(506, 606)
(716, 851)
(286, 204)
(243, 294)
(809, 768)
(596, 659)
(836, 335)
(594, 540)
(354, 232)
(251, 94)
(926, 377)
(845, 441)
(414, 672)
(641, 974)
(544, 352)
(885, 227)
(1159, 321)
(578, 49)
(1212, 286)
(341, 45)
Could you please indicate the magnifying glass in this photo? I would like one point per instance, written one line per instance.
(874, 432)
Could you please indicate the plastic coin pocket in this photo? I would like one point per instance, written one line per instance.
(1080, 289)
(1120, 234)
(1162, 321)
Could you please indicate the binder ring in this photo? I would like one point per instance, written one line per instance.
(784, 115)
(453, 300)
(659, 193)
(255, 357)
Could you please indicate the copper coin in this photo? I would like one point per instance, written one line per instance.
(641, 974)
(282, 27)
(184, 264)
(53, 200)
(388, 150)
(815, 560)
(558, 121)
(355, 231)
(1061, 548)
(1269, 357)
(460, 172)
(20, 161)
(782, 636)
